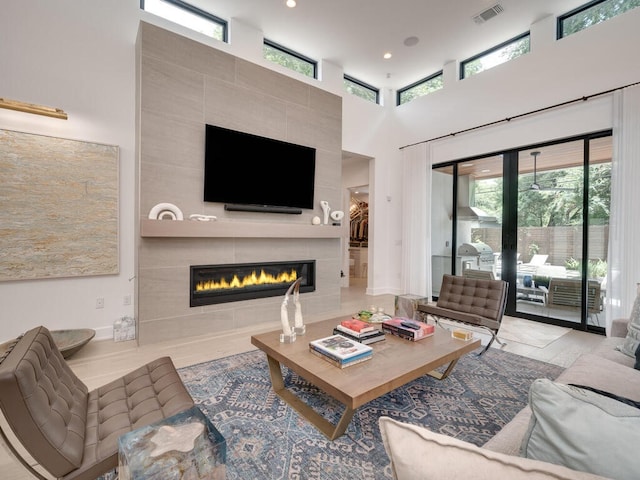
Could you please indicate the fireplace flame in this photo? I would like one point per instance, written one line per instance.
(246, 281)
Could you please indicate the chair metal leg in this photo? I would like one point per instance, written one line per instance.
(14, 453)
(494, 335)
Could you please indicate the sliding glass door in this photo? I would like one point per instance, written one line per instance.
(542, 213)
(467, 239)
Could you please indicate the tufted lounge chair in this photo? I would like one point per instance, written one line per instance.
(71, 432)
(471, 301)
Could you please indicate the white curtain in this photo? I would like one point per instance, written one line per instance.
(416, 220)
(624, 223)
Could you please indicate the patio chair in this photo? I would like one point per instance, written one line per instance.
(481, 274)
(71, 432)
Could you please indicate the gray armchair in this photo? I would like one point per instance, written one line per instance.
(72, 432)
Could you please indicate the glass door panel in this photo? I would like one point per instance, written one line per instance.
(599, 168)
(549, 231)
(441, 225)
(471, 246)
(479, 217)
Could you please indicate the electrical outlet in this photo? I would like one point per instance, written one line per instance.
(100, 302)
(126, 300)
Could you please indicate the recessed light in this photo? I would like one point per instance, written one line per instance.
(467, 165)
(411, 41)
(387, 55)
(486, 170)
(291, 3)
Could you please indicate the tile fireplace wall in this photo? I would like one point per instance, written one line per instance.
(183, 85)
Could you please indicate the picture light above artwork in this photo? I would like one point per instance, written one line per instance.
(33, 108)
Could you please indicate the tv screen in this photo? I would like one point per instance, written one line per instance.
(245, 169)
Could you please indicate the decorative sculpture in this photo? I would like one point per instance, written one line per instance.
(164, 211)
(325, 209)
(337, 215)
(288, 334)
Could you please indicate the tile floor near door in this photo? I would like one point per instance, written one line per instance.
(102, 361)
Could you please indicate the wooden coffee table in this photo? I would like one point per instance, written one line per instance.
(395, 362)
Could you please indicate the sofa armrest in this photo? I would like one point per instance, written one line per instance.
(619, 327)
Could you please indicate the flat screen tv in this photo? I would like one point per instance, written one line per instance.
(241, 169)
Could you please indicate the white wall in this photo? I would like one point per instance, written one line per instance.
(79, 55)
(600, 58)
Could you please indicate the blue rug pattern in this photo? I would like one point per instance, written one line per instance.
(267, 439)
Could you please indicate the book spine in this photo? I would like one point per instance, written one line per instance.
(324, 353)
(398, 332)
(365, 340)
(355, 333)
(355, 362)
(336, 357)
(339, 363)
(377, 338)
(327, 358)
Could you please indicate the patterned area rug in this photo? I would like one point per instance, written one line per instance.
(266, 439)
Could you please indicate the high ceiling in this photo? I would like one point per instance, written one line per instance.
(354, 34)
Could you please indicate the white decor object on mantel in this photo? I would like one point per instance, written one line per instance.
(315, 220)
(202, 218)
(325, 209)
(165, 211)
(337, 215)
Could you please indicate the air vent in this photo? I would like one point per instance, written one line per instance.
(488, 14)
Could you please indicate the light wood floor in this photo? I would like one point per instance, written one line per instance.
(102, 361)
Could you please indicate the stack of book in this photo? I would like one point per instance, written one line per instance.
(359, 331)
(340, 351)
(406, 328)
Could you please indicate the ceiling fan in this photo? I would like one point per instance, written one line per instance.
(535, 186)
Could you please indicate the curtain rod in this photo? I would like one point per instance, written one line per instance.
(532, 112)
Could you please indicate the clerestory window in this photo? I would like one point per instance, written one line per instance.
(361, 89)
(420, 88)
(591, 14)
(495, 56)
(188, 16)
(289, 59)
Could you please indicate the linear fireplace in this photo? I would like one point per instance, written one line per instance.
(212, 284)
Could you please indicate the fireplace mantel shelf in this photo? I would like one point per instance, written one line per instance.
(197, 229)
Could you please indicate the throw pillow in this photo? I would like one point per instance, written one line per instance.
(419, 454)
(582, 430)
(632, 340)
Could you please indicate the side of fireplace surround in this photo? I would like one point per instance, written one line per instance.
(184, 84)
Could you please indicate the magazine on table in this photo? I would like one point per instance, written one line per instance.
(340, 347)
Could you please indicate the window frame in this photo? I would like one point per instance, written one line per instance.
(366, 86)
(196, 11)
(402, 90)
(576, 11)
(493, 50)
(294, 54)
